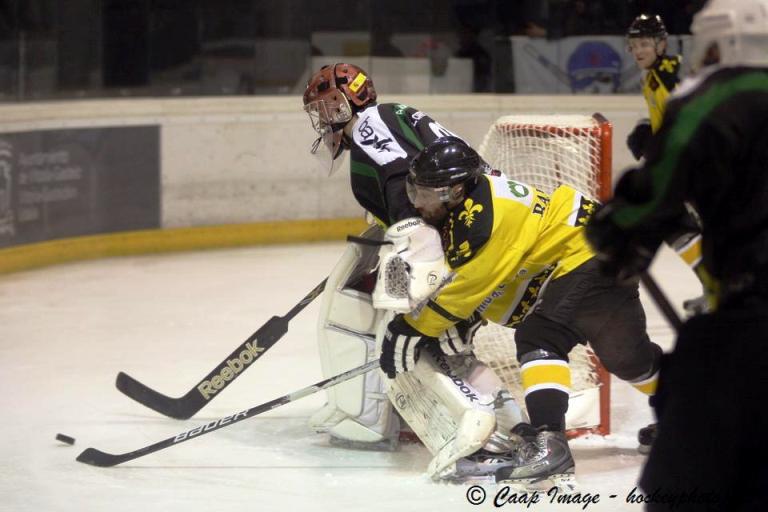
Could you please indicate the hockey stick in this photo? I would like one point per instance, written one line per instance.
(102, 459)
(661, 301)
(220, 377)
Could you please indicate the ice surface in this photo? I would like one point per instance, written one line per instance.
(66, 331)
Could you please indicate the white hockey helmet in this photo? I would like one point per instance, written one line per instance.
(731, 33)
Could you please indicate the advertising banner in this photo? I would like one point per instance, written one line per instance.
(72, 182)
(580, 65)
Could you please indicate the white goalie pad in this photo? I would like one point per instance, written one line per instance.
(451, 417)
(358, 410)
(412, 266)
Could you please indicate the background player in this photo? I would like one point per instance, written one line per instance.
(647, 42)
(711, 151)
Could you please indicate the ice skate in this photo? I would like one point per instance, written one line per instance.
(541, 463)
(645, 437)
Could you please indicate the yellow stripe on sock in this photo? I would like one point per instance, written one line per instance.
(691, 253)
(647, 386)
(546, 375)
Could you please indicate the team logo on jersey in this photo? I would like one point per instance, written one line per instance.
(667, 65)
(586, 209)
(470, 209)
(529, 298)
(371, 139)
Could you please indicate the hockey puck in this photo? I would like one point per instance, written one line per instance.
(65, 439)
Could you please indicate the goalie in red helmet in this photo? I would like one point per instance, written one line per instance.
(382, 139)
(333, 96)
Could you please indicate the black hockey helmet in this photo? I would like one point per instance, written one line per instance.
(438, 168)
(647, 25)
(445, 162)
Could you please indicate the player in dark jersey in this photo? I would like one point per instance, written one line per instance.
(711, 151)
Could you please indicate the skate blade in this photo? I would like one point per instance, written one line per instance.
(565, 482)
(468, 479)
(385, 445)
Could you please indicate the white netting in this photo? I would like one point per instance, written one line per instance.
(545, 151)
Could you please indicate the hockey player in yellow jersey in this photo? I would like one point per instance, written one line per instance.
(647, 42)
(502, 239)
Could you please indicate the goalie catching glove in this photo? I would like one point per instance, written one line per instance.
(402, 344)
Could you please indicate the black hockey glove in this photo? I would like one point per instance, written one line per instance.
(621, 255)
(639, 137)
(458, 338)
(400, 348)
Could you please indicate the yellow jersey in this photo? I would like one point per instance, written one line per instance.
(658, 83)
(501, 244)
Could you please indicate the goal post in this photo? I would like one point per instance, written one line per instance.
(548, 150)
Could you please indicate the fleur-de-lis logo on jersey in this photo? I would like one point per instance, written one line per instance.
(465, 250)
(470, 209)
(586, 209)
(667, 65)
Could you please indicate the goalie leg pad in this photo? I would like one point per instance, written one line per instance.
(450, 416)
(358, 410)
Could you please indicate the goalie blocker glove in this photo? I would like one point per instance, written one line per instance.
(400, 348)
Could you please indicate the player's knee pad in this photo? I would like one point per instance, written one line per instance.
(357, 410)
(537, 332)
(632, 362)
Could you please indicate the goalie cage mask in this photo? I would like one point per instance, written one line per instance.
(333, 96)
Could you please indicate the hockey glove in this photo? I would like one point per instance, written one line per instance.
(457, 339)
(639, 137)
(621, 254)
(400, 348)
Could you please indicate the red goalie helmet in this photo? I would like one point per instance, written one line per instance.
(334, 94)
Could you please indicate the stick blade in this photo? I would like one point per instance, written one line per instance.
(95, 457)
(180, 408)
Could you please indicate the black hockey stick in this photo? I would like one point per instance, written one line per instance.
(661, 301)
(220, 377)
(102, 459)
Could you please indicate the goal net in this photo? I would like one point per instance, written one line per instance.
(545, 151)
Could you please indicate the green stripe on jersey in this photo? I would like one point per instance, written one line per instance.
(689, 119)
(363, 170)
